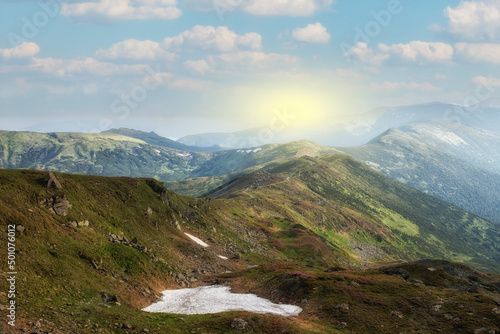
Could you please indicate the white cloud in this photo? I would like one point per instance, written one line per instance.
(62, 67)
(23, 50)
(420, 51)
(122, 10)
(250, 60)
(474, 20)
(486, 81)
(364, 54)
(262, 7)
(198, 66)
(285, 7)
(312, 33)
(486, 52)
(210, 38)
(415, 51)
(389, 86)
(135, 49)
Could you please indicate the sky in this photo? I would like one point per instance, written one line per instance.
(180, 67)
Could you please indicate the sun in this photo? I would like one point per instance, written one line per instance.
(299, 107)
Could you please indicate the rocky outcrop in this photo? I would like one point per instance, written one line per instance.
(158, 188)
(83, 223)
(57, 204)
(186, 279)
(120, 239)
(52, 181)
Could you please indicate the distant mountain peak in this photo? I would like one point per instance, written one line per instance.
(153, 138)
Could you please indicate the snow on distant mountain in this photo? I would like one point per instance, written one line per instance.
(355, 129)
(454, 162)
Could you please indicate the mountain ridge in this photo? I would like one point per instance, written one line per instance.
(454, 169)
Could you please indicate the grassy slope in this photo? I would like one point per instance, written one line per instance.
(112, 154)
(354, 207)
(156, 140)
(63, 271)
(436, 169)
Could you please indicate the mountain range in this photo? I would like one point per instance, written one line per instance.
(451, 161)
(356, 129)
(397, 233)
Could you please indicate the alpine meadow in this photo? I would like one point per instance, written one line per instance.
(256, 166)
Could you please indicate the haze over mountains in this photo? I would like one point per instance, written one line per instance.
(451, 160)
(355, 129)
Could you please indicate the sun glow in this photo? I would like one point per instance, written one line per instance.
(300, 108)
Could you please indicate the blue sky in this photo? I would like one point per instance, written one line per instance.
(191, 66)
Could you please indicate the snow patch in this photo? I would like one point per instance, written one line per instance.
(197, 240)
(250, 151)
(217, 299)
(449, 137)
(223, 257)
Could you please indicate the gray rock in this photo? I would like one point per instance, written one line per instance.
(239, 323)
(177, 225)
(107, 298)
(84, 223)
(61, 206)
(52, 182)
(342, 325)
(396, 314)
(343, 307)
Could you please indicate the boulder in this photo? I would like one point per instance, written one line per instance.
(177, 225)
(84, 223)
(52, 181)
(107, 298)
(20, 228)
(61, 206)
(342, 325)
(396, 314)
(239, 323)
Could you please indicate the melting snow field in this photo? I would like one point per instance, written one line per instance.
(197, 240)
(216, 299)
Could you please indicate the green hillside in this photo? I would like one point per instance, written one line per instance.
(356, 208)
(156, 140)
(455, 163)
(89, 256)
(126, 154)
